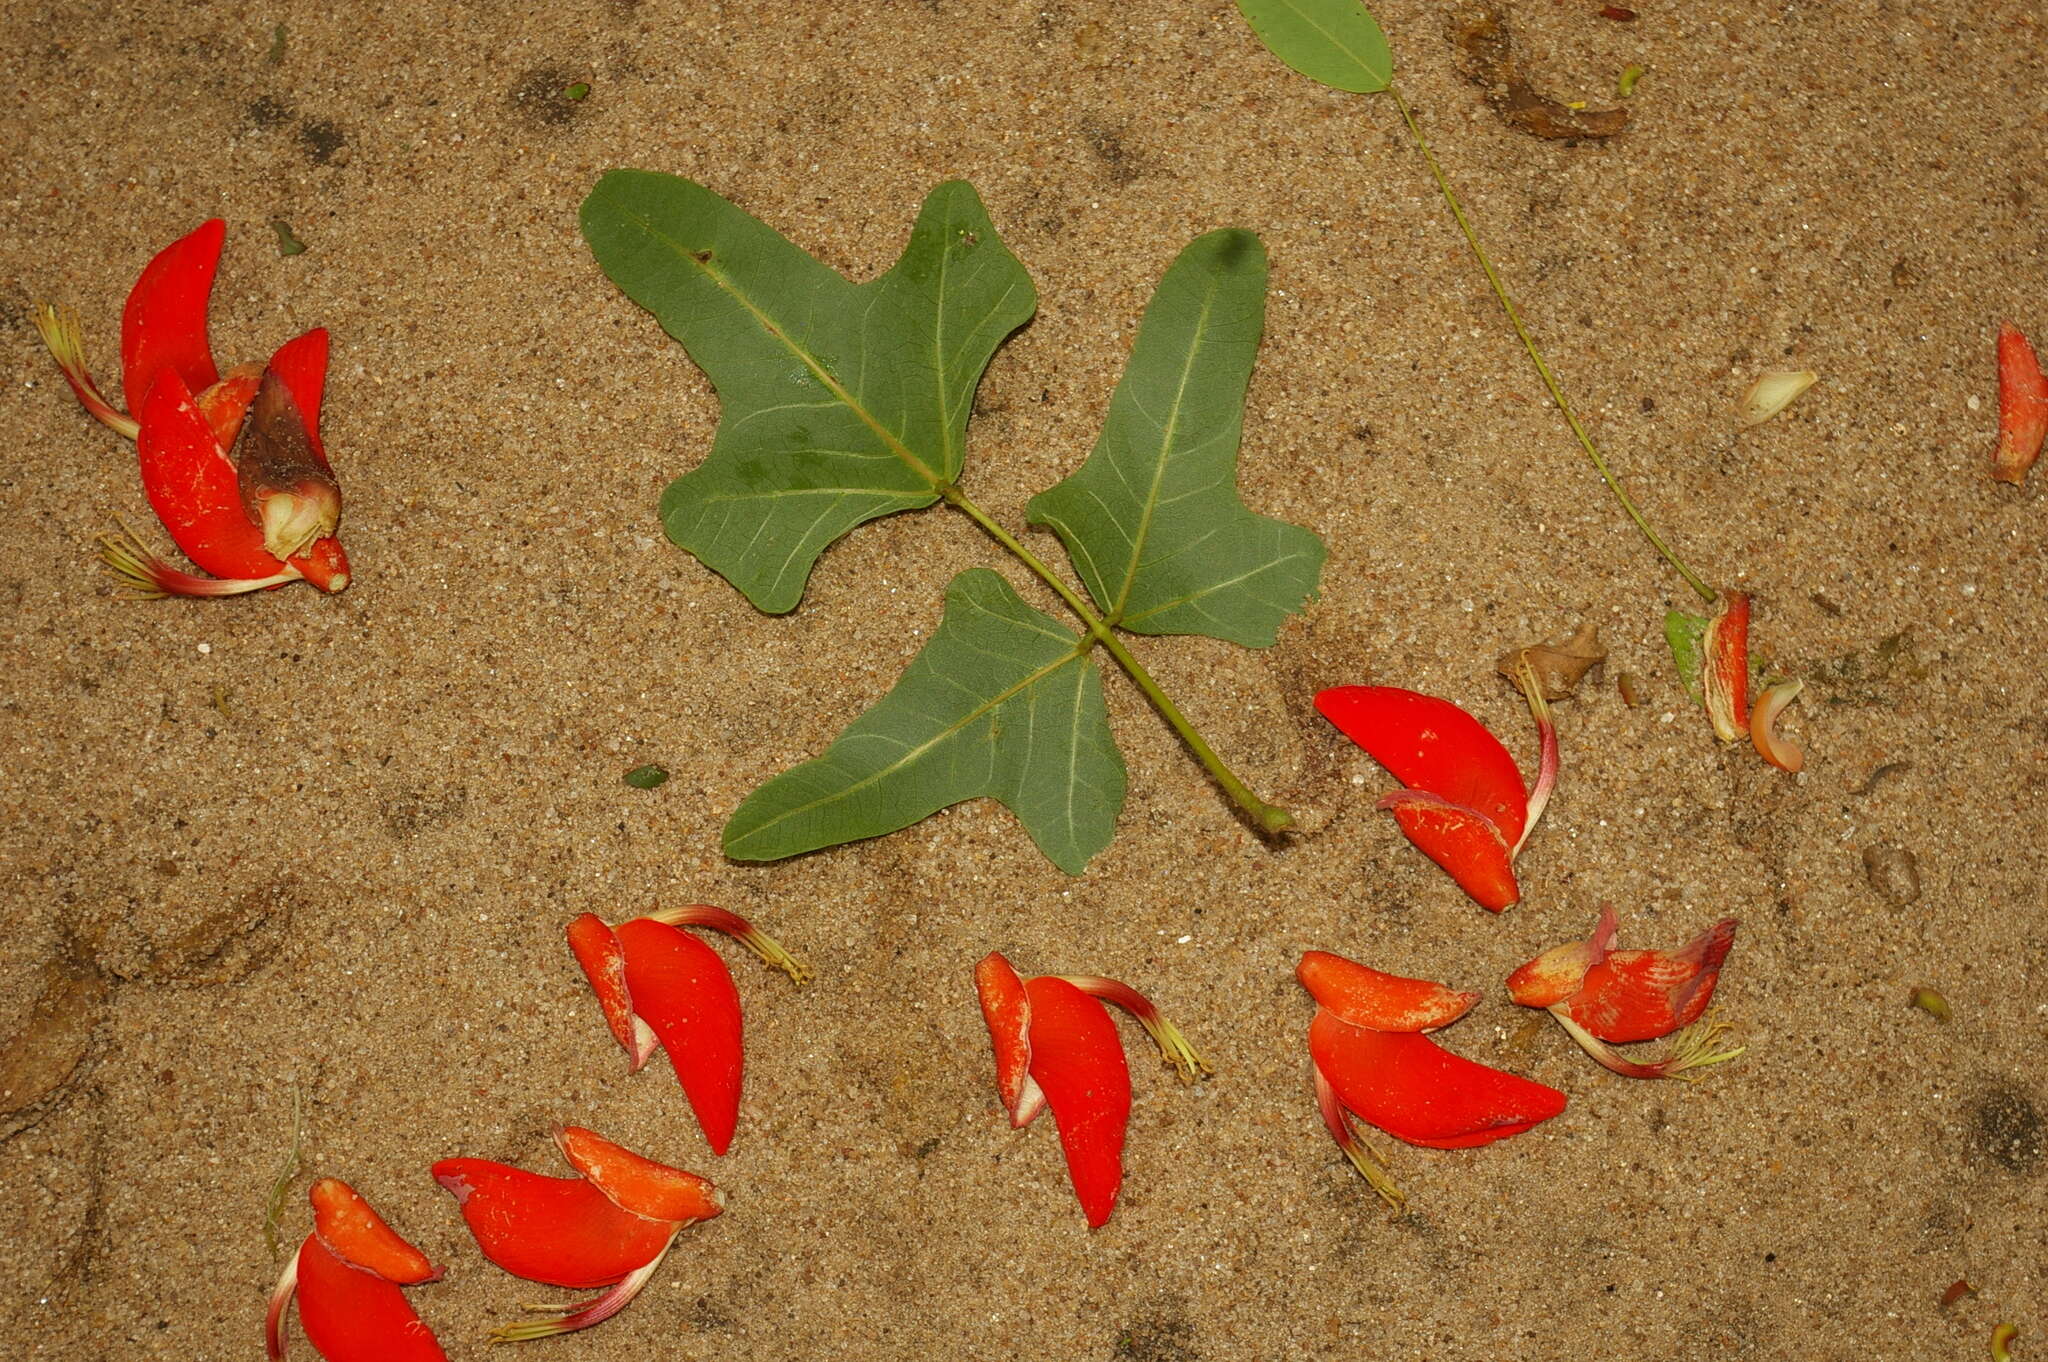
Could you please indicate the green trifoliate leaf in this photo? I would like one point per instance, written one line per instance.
(1152, 519)
(841, 402)
(1333, 41)
(1686, 635)
(1004, 701)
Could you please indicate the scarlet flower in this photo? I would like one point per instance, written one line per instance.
(346, 1276)
(233, 465)
(610, 1226)
(1056, 1045)
(1604, 997)
(659, 985)
(1464, 807)
(1373, 1063)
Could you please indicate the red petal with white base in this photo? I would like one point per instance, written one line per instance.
(191, 484)
(1642, 995)
(1006, 1008)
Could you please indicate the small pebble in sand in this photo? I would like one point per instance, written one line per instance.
(1893, 872)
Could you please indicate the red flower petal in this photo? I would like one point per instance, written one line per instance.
(1641, 995)
(1415, 1090)
(1078, 1059)
(192, 485)
(603, 960)
(636, 1183)
(1560, 972)
(1431, 744)
(1006, 1008)
(346, 1225)
(302, 363)
(163, 325)
(1724, 671)
(682, 989)
(558, 1230)
(1465, 842)
(1364, 996)
(352, 1315)
(2022, 406)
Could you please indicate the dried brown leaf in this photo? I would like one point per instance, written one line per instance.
(1486, 50)
(1559, 667)
(41, 1056)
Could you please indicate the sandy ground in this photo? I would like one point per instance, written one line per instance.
(329, 843)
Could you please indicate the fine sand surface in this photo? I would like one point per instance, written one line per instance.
(328, 845)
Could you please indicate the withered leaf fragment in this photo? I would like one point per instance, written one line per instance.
(39, 1058)
(1486, 51)
(1559, 667)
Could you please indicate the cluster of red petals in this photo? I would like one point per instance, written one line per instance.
(609, 1226)
(1613, 997)
(657, 984)
(1464, 806)
(233, 465)
(1056, 1045)
(1370, 1053)
(347, 1277)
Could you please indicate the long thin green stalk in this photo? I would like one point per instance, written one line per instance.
(1269, 818)
(1564, 405)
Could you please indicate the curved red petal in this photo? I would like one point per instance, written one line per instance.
(1561, 971)
(1431, 744)
(637, 1183)
(1078, 1060)
(1006, 1008)
(191, 484)
(1464, 842)
(353, 1315)
(163, 324)
(563, 1231)
(1415, 1090)
(347, 1225)
(603, 960)
(1364, 996)
(302, 363)
(1643, 995)
(682, 989)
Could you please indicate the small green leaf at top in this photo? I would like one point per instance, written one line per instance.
(1152, 520)
(647, 777)
(1333, 41)
(1686, 634)
(840, 402)
(1004, 701)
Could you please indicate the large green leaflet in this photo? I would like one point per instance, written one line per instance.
(841, 402)
(1152, 519)
(1332, 41)
(1003, 701)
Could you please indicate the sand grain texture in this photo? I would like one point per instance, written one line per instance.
(332, 842)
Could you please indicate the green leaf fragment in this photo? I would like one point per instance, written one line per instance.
(841, 402)
(1630, 74)
(1686, 634)
(647, 777)
(287, 244)
(1333, 41)
(579, 91)
(1152, 520)
(1004, 701)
